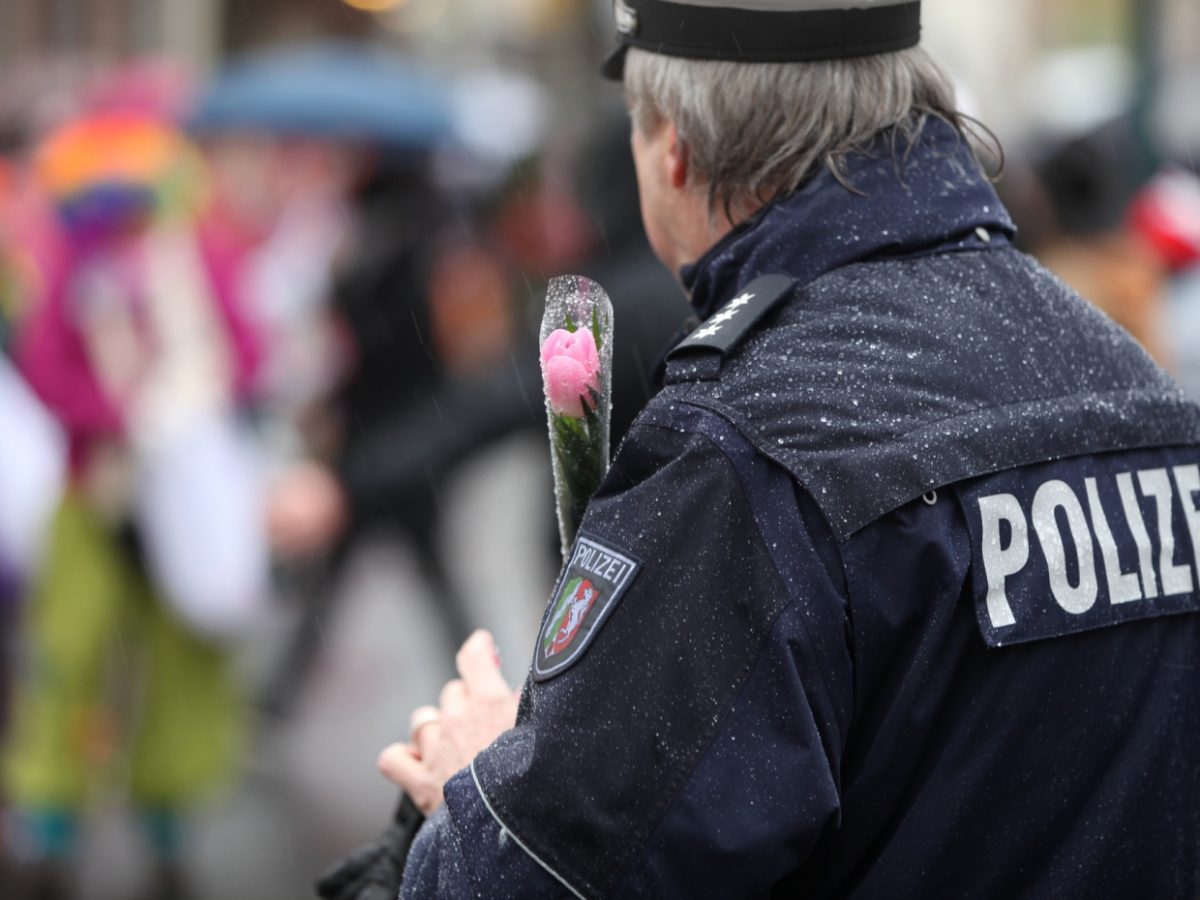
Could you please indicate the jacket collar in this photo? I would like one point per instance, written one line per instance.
(908, 200)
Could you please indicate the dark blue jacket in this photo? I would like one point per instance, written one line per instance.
(890, 591)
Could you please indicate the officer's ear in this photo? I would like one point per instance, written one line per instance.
(677, 161)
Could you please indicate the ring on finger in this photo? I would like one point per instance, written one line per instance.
(422, 717)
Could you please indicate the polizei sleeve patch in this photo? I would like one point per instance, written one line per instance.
(724, 329)
(1085, 543)
(589, 589)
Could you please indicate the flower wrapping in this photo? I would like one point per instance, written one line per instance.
(576, 355)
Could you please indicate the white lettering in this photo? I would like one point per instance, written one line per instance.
(1187, 480)
(584, 556)
(1122, 586)
(1137, 527)
(1000, 562)
(1051, 496)
(1175, 579)
(601, 564)
(597, 564)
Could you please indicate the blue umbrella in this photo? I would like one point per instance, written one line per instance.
(331, 89)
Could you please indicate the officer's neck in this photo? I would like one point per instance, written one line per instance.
(700, 227)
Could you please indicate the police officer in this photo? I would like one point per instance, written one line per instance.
(891, 591)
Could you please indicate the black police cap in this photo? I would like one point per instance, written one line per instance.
(763, 30)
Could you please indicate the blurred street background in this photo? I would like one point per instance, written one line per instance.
(272, 440)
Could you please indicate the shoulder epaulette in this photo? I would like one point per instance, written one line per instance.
(699, 355)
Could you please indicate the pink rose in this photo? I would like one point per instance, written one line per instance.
(570, 365)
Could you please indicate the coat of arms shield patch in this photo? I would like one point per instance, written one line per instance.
(591, 584)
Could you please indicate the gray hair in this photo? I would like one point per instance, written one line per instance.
(758, 130)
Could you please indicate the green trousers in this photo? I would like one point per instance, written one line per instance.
(110, 686)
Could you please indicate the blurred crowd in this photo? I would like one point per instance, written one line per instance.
(248, 321)
(244, 324)
(1121, 229)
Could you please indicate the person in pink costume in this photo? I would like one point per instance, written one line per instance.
(137, 333)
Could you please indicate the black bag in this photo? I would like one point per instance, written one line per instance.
(375, 870)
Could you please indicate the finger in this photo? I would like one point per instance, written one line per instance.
(453, 698)
(401, 764)
(478, 663)
(424, 743)
(421, 716)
